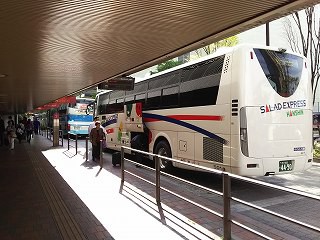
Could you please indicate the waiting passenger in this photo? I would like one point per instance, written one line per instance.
(96, 135)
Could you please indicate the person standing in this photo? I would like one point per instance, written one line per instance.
(29, 130)
(2, 130)
(11, 121)
(91, 126)
(20, 131)
(36, 126)
(96, 135)
(11, 134)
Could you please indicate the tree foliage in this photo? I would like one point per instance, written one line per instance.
(167, 65)
(228, 42)
(303, 35)
(211, 48)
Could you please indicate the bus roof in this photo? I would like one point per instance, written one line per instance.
(220, 51)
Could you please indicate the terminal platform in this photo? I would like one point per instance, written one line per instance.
(50, 193)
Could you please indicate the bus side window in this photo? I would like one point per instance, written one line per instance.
(141, 98)
(170, 96)
(153, 99)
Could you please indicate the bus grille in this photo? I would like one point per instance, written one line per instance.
(212, 150)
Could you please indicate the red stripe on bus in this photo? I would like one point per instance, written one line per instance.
(188, 117)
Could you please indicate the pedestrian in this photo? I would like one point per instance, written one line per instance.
(11, 121)
(20, 131)
(96, 135)
(91, 126)
(11, 134)
(36, 126)
(29, 130)
(2, 131)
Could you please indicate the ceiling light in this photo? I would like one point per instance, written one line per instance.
(2, 75)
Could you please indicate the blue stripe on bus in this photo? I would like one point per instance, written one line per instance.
(186, 125)
(112, 121)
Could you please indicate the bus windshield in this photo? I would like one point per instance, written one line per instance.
(283, 70)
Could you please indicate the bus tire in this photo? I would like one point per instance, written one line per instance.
(163, 149)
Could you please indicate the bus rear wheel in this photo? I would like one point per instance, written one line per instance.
(163, 149)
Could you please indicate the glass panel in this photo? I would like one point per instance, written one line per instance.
(170, 96)
(283, 70)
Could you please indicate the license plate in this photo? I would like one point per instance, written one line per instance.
(285, 166)
(76, 127)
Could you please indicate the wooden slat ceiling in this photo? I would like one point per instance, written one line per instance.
(49, 49)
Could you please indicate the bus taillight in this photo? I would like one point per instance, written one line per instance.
(243, 132)
(68, 127)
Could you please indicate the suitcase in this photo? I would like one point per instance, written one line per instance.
(116, 158)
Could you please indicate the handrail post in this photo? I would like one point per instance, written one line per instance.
(76, 143)
(226, 206)
(122, 169)
(158, 185)
(86, 148)
(157, 167)
(68, 140)
(101, 160)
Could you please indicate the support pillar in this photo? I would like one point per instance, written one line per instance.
(56, 129)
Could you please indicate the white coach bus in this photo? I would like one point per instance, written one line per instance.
(247, 111)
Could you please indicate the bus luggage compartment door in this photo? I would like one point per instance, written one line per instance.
(186, 148)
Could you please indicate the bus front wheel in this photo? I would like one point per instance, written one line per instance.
(163, 149)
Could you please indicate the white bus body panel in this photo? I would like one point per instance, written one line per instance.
(196, 136)
(117, 136)
(277, 135)
(119, 126)
(187, 144)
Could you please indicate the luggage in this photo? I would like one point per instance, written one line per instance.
(116, 158)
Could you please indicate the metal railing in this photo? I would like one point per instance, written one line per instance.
(73, 140)
(49, 135)
(226, 193)
(76, 145)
